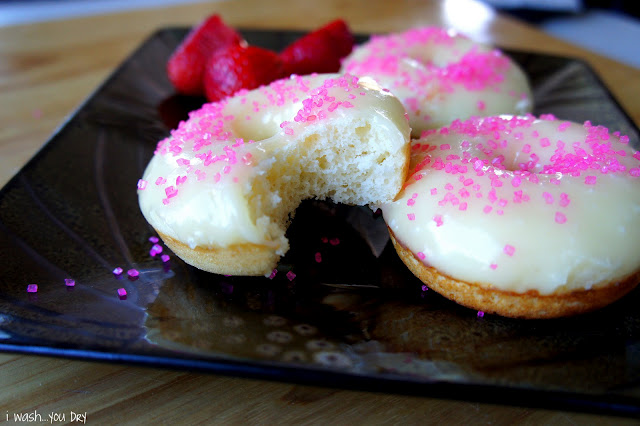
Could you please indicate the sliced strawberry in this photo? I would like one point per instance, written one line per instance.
(240, 67)
(186, 66)
(320, 50)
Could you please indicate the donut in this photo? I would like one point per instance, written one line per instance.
(521, 216)
(441, 75)
(221, 189)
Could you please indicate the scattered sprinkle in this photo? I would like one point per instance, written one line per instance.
(32, 288)
(117, 271)
(69, 282)
(155, 249)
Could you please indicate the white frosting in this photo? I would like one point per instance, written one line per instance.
(221, 160)
(560, 211)
(440, 76)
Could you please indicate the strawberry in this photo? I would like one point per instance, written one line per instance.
(185, 67)
(320, 50)
(240, 67)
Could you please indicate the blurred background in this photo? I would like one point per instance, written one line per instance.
(611, 28)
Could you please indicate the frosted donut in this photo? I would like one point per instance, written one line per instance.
(519, 216)
(220, 190)
(440, 76)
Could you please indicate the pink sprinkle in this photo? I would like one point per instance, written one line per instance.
(69, 282)
(155, 249)
(170, 191)
(560, 218)
(480, 314)
(526, 148)
(590, 180)
(117, 271)
(438, 220)
(493, 266)
(487, 209)
(154, 239)
(165, 258)
(160, 180)
(509, 250)
(122, 293)
(411, 202)
(318, 257)
(180, 180)
(411, 216)
(288, 131)
(133, 273)
(421, 255)
(273, 274)
(445, 147)
(32, 288)
(291, 275)
(434, 191)
(516, 181)
(334, 241)
(463, 206)
(142, 184)
(481, 105)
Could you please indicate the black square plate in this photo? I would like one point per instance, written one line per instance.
(357, 319)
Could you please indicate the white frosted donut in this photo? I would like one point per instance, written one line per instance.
(440, 76)
(521, 216)
(221, 188)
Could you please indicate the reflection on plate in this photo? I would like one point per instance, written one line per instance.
(342, 309)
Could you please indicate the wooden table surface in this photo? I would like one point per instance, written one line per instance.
(48, 69)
